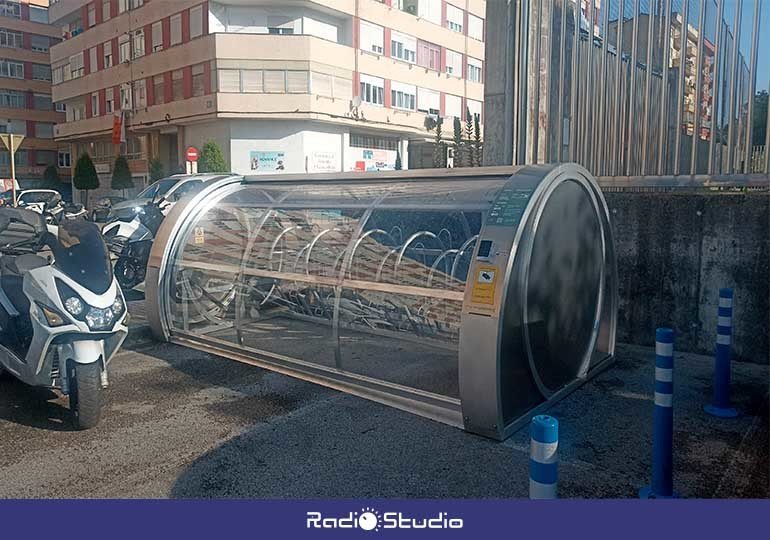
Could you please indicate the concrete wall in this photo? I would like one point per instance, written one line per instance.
(674, 253)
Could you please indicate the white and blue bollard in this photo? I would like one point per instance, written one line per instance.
(662, 486)
(720, 406)
(543, 457)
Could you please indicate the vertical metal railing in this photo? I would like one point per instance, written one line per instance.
(674, 95)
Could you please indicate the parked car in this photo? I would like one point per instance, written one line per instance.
(165, 192)
(101, 210)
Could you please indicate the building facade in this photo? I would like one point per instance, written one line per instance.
(26, 107)
(316, 86)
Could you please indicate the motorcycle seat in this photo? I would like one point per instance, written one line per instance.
(21, 264)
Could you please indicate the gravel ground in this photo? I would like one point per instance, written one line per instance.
(180, 423)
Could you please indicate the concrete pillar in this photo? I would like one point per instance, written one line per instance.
(495, 120)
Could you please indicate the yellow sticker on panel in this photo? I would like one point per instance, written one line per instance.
(484, 285)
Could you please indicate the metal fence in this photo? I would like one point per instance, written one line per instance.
(630, 87)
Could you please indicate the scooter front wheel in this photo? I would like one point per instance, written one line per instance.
(86, 394)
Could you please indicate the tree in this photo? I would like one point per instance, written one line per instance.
(760, 118)
(156, 170)
(458, 143)
(399, 165)
(212, 159)
(470, 155)
(439, 152)
(121, 175)
(478, 148)
(85, 177)
(51, 179)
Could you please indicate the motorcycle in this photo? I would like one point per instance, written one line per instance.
(62, 316)
(131, 243)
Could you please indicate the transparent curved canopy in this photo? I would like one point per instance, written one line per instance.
(372, 286)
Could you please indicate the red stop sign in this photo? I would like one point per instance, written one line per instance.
(191, 153)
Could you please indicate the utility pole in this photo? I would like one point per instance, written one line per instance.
(12, 143)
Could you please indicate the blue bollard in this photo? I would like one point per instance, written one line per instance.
(720, 406)
(663, 429)
(543, 457)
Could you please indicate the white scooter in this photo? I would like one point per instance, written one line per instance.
(62, 317)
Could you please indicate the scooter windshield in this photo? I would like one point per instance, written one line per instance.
(82, 255)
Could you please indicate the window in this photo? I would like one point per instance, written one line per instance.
(454, 63)
(39, 43)
(57, 74)
(92, 59)
(124, 48)
(42, 102)
(43, 130)
(475, 27)
(277, 30)
(140, 94)
(122, 6)
(105, 10)
(10, 8)
(229, 80)
(41, 72)
(126, 97)
(198, 86)
(95, 105)
(14, 99)
(403, 47)
(373, 142)
(38, 14)
(429, 55)
(430, 10)
(157, 36)
(474, 70)
(176, 29)
(12, 69)
(428, 101)
(14, 126)
(109, 102)
(45, 158)
(177, 85)
(454, 18)
(297, 82)
(453, 106)
(403, 96)
(474, 107)
(61, 107)
(196, 22)
(251, 81)
(138, 43)
(274, 81)
(107, 54)
(65, 160)
(9, 38)
(133, 4)
(76, 65)
(76, 110)
(159, 89)
(91, 15)
(20, 157)
(372, 37)
(410, 6)
(372, 90)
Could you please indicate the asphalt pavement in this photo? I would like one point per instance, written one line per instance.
(181, 423)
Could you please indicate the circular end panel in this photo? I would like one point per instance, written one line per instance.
(564, 282)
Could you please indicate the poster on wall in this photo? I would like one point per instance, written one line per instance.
(323, 162)
(374, 160)
(267, 161)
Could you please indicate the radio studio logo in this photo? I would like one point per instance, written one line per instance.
(370, 519)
